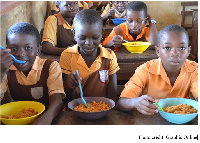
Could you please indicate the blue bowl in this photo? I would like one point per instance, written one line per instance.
(178, 118)
(118, 21)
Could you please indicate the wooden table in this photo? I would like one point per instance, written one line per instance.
(115, 117)
(107, 29)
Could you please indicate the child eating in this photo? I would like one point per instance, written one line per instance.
(172, 75)
(37, 79)
(97, 66)
(138, 27)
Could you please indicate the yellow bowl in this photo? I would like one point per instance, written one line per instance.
(14, 108)
(136, 47)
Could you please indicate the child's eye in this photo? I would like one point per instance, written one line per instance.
(82, 38)
(139, 21)
(95, 38)
(28, 48)
(166, 48)
(13, 48)
(182, 48)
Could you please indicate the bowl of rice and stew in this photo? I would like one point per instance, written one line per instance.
(98, 107)
(20, 112)
(178, 110)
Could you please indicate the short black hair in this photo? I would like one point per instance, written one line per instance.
(24, 28)
(137, 6)
(168, 28)
(88, 16)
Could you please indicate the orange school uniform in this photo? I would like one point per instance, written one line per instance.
(57, 31)
(122, 30)
(151, 79)
(53, 81)
(98, 74)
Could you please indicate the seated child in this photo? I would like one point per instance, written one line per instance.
(101, 5)
(118, 10)
(57, 34)
(172, 75)
(135, 28)
(97, 66)
(36, 80)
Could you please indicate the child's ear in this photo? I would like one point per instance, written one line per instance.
(157, 51)
(189, 49)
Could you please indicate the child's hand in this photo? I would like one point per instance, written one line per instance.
(72, 80)
(117, 40)
(112, 12)
(6, 60)
(144, 105)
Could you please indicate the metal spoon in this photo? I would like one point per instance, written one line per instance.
(161, 109)
(126, 41)
(81, 90)
(14, 59)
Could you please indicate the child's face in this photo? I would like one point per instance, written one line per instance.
(136, 21)
(173, 50)
(120, 5)
(23, 47)
(68, 8)
(88, 37)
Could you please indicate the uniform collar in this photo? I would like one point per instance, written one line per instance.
(62, 21)
(144, 30)
(158, 69)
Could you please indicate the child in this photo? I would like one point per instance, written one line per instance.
(169, 76)
(57, 35)
(36, 80)
(97, 66)
(117, 10)
(135, 28)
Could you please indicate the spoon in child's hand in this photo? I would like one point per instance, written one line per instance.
(14, 59)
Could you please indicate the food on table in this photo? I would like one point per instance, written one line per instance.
(22, 114)
(92, 107)
(180, 109)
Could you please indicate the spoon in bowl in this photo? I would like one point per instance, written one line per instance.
(81, 91)
(14, 59)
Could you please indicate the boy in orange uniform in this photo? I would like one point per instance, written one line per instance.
(169, 76)
(97, 66)
(135, 28)
(118, 10)
(57, 35)
(35, 80)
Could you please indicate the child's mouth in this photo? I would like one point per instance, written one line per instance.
(22, 65)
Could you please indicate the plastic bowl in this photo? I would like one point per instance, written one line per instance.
(118, 21)
(136, 47)
(178, 118)
(91, 115)
(14, 108)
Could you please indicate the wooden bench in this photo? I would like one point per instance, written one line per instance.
(186, 13)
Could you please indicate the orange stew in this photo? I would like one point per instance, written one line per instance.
(92, 107)
(180, 109)
(23, 114)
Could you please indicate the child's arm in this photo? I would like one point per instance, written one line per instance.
(152, 33)
(112, 88)
(70, 83)
(144, 104)
(55, 107)
(116, 41)
(110, 13)
(6, 61)
(49, 49)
